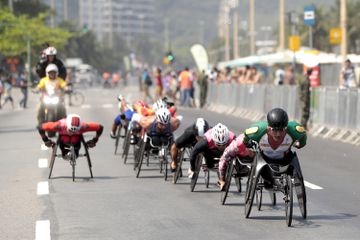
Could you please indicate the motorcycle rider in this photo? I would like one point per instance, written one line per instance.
(51, 58)
(70, 131)
(51, 84)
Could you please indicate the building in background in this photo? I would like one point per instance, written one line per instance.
(125, 18)
(107, 18)
(65, 10)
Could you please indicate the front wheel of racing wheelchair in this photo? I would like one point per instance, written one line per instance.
(200, 164)
(72, 157)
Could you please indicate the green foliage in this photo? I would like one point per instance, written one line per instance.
(15, 31)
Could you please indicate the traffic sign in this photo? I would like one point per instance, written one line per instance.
(294, 43)
(335, 36)
(309, 15)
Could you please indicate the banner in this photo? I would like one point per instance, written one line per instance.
(200, 56)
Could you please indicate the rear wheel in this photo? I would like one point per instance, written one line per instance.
(228, 176)
(301, 194)
(250, 191)
(140, 157)
(126, 146)
(196, 173)
(289, 201)
(77, 98)
(117, 139)
(178, 166)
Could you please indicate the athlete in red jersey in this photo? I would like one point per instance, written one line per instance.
(70, 131)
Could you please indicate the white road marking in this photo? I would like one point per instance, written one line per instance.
(86, 106)
(43, 163)
(43, 188)
(312, 186)
(42, 231)
(43, 147)
(107, 105)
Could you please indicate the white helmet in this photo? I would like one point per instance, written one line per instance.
(50, 51)
(201, 126)
(121, 97)
(51, 68)
(220, 134)
(159, 104)
(163, 115)
(73, 123)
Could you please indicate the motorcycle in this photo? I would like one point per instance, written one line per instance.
(52, 107)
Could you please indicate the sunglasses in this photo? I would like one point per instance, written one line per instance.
(277, 129)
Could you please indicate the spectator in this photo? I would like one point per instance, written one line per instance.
(159, 85)
(305, 98)
(289, 76)
(147, 82)
(24, 90)
(185, 87)
(8, 87)
(347, 76)
(279, 76)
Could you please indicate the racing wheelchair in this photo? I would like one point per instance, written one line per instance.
(236, 169)
(287, 179)
(120, 133)
(200, 164)
(160, 152)
(71, 156)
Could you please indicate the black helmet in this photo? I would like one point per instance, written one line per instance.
(201, 125)
(277, 119)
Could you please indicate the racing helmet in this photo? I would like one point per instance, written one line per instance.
(163, 115)
(159, 104)
(50, 51)
(51, 68)
(201, 125)
(220, 134)
(277, 119)
(73, 123)
(120, 97)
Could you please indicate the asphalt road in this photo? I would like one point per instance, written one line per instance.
(116, 205)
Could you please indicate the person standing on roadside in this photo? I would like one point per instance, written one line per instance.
(305, 98)
(347, 76)
(24, 90)
(147, 82)
(185, 87)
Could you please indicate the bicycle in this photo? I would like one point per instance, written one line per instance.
(72, 157)
(76, 98)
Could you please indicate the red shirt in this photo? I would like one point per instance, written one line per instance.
(64, 135)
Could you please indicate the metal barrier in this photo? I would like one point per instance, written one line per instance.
(330, 106)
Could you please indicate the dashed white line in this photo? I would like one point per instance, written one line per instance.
(42, 231)
(107, 105)
(312, 186)
(43, 147)
(43, 163)
(43, 188)
(86, 106)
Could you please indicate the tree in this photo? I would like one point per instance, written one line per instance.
(15, 31)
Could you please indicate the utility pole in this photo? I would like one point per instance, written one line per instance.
(252, 26)
(66, 10)
(343, 29)
(227, 33)
(52, 15)
(166, 34)
(236, 29)
(281, 25)
(11, 5)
